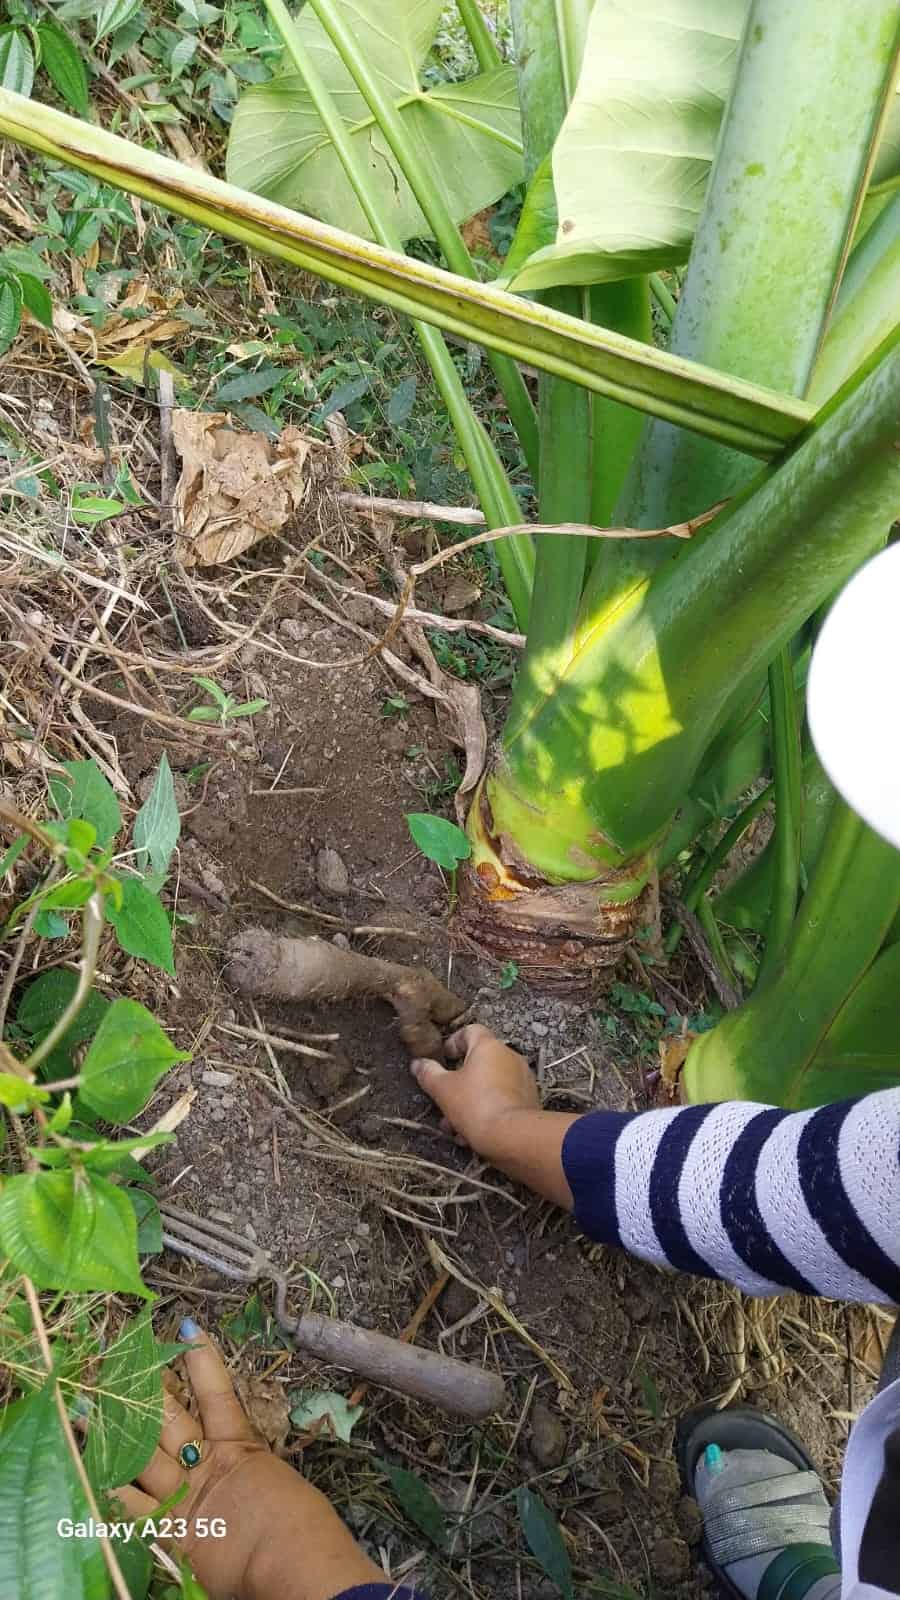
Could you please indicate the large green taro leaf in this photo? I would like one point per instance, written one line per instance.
(470, 133)
(624, 186)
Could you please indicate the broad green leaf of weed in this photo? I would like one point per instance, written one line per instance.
(213, 689)
(142, 927)
(249, 386)
(114, 1155)
(327, 1407)
(402, 401)
(62, 1116)
(127, 1414)
(43, 1002)
(247, 1323)
(20, 1095)
(50, 925)
(21, 259)
(86, 793)
(38, 1487)
(65, 68)
(88, 507)
(157, 827)
(36, 297)
(249, 708)
(418, 1502)
(544, 1540)
(256, 420)
(441, 841)
(149, 1224)
(114, 14)
(67, 1230)
(10, 309)
(128, 1056)
(182, 55)
(71, 892)
(16, 61)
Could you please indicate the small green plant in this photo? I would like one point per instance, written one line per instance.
(395, 705)
(22, 287)
(76, 1207)
(26, 48)
(82, 839)
(225, 708)
(509, 974)
(441, 842)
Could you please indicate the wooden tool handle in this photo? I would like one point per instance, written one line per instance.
(458, 1386)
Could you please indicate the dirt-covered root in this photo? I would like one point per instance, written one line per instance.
(310, 970)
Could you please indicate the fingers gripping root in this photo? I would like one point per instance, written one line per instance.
(310, 970)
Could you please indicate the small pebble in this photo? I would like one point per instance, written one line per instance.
(337, 1282)
(215, 1079)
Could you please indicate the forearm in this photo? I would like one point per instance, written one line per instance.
(527, 1145)
(765, 1198)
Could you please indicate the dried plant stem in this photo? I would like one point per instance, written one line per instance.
(416, 510)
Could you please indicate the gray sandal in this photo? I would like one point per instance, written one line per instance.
(755, 1518)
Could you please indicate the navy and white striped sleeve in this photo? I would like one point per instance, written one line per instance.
(767, 1199)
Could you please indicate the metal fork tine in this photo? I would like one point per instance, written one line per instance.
(197, 1253)
(213, 1245)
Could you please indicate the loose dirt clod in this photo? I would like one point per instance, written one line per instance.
(331, 874)
(547, 1436)
(305, 970)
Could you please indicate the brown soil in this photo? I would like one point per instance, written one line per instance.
(637, 1347)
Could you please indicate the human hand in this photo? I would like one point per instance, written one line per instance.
(252, 1526)
(478, 1098)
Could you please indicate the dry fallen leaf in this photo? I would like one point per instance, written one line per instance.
(120, 330)
(234, 488)
(266, 1405)
(477, 232)
(459, 593)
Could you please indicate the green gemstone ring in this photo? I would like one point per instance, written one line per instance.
(191, 1454)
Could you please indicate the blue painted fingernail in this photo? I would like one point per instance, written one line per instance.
(188, 1329)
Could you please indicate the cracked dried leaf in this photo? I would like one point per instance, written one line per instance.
(235, 488)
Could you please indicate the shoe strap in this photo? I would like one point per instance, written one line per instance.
(752, 1533)
(765, 1491)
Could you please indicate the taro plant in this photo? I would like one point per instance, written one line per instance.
(753, 147)
(79, 1212)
